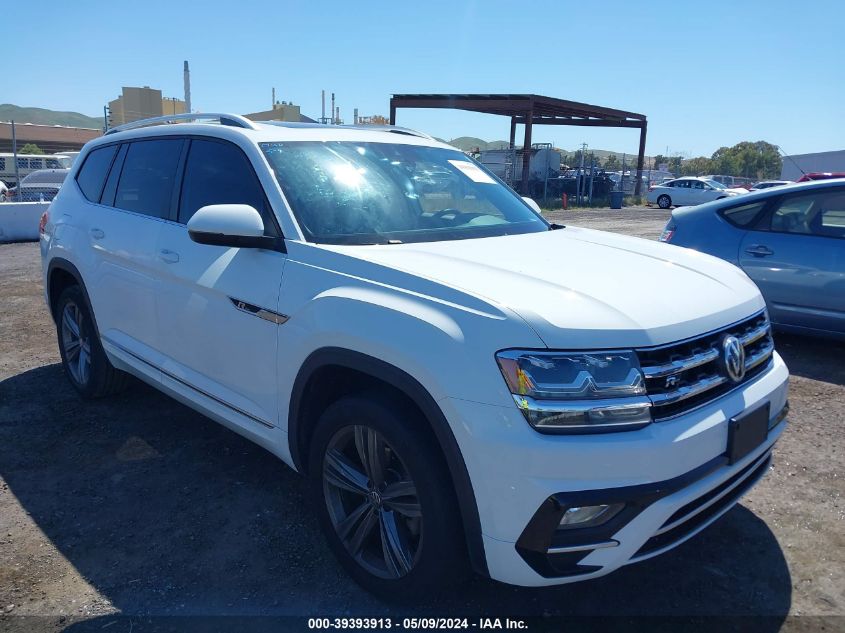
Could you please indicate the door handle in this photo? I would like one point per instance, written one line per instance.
(759, 250)
(167, 256)
(97, 234)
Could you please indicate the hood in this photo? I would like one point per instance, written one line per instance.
(579, 288)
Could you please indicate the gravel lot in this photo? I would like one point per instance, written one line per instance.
(137, 505)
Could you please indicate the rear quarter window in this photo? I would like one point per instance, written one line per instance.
(744, 215)
(92, 175)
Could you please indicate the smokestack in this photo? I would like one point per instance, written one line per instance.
(333, 119)
(355, 116)
(337, 116)
(323, 118)
(273, 104)
(187, 73)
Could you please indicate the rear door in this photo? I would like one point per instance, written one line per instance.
(122, 229)
(796, 255)
(216, 307)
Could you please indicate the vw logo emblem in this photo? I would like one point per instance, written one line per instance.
(733, 358)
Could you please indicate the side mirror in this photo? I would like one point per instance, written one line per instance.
(530, 202)
(238, 225)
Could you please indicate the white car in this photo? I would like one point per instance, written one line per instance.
(688, 192)
(463, 383)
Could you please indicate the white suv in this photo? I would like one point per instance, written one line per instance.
(461, 381)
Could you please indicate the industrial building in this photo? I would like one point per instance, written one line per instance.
(50, 138)
(797, 165)
(142, 103)
(281, 111)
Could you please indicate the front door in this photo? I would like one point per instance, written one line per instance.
(217, 306)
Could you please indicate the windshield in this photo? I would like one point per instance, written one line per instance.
(715, 184)
(383, 193)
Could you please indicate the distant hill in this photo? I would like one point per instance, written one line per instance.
(470, 143)
(42, 116)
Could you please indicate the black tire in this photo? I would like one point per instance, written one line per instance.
(78, 340)
(664, 202)
(432, 550)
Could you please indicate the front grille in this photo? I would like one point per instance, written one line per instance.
(682, 376)
(701, 510)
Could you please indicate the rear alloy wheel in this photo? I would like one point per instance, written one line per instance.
(664, 201)
(385, 499)
(75, 339)
(83, 358)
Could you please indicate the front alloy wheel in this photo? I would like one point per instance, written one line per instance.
(372, 502)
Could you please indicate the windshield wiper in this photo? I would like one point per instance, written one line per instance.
(554, 226)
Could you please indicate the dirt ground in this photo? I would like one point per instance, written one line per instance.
(139, 506)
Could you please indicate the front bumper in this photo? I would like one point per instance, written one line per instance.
(673, 476)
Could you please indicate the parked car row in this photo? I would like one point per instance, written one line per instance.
(688, 191)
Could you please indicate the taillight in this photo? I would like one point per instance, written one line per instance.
(42, 223)
(668, 232)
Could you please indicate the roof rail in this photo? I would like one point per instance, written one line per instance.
(367, 127)
(234, 120)
(395, 129)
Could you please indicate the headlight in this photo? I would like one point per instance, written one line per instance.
(561, 392)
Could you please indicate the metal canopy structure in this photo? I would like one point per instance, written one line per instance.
(530, 110)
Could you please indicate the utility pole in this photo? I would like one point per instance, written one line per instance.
(579, 191)
(15, 155)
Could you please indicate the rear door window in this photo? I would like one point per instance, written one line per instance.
(92, 175)
(821, 214)
(148, 176)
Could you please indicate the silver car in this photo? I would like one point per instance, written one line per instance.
(790, 240)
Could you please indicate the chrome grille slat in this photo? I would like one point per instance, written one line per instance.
(688, 374)
(754, 335)
(689, 391)
(759, 357)
(677, 366)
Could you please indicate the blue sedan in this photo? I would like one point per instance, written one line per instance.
(791, 242)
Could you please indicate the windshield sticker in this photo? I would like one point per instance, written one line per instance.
(472, 171)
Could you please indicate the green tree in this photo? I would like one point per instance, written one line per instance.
(30, 148)
(611, 163)
(759, 160)
(696, 166)
(659, 160)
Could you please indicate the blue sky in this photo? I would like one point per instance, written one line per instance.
(705, 74)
